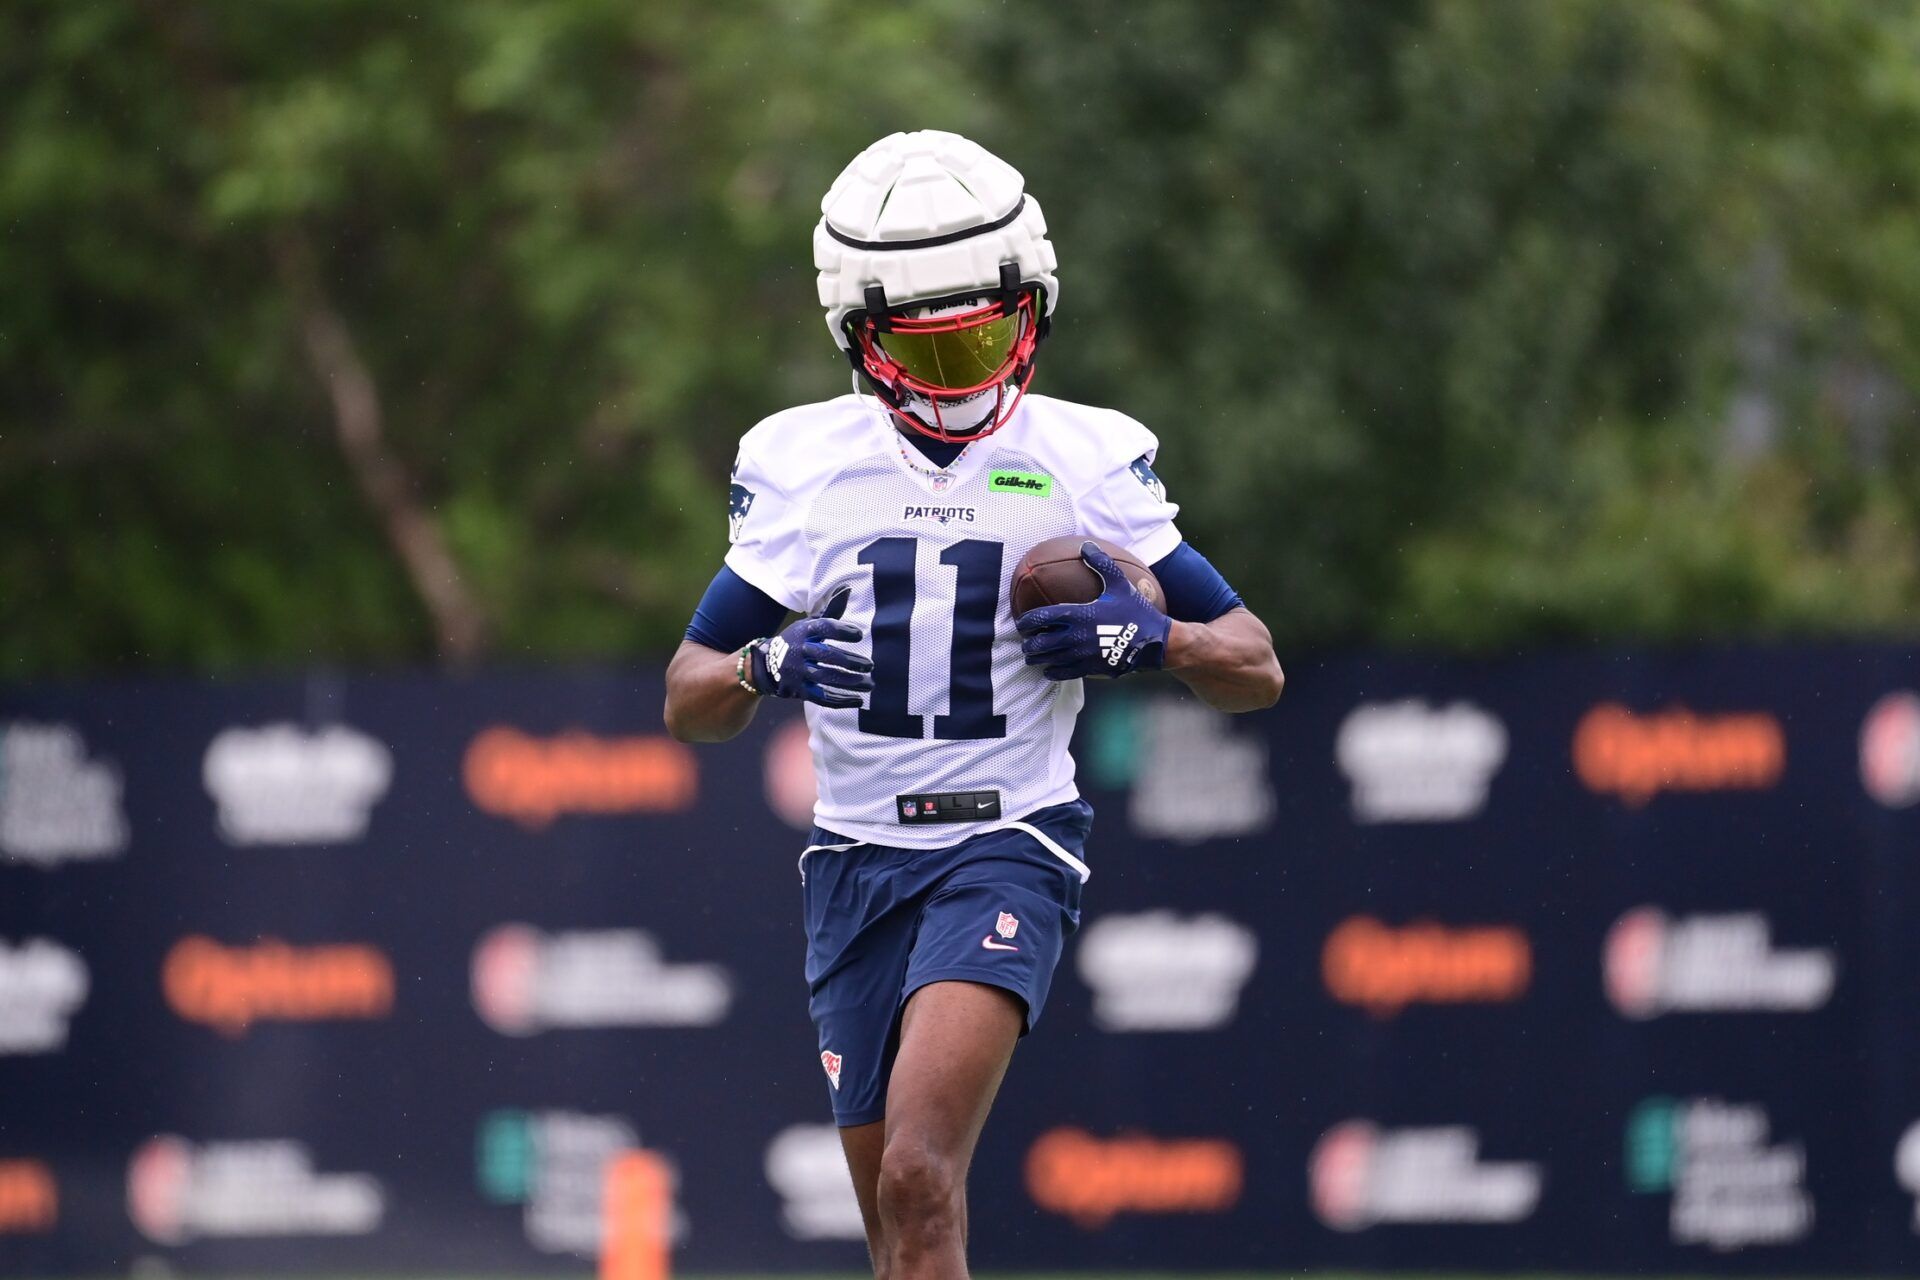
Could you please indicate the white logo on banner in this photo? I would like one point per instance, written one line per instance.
(1906, 1167)
(1701, 964)
(1196, 778)
(806, 1165)
(1160, 972)
(55, 804)
(525, 981)
(1890, 750)
(1361, 1176)
(178, 1191)
(787, 770)
(1730, 1187)
(42, 984)
(555, 1164)
(1409, 762)
(282, 784)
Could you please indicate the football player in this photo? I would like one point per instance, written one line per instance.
(945, 870)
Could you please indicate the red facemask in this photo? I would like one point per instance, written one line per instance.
(933, 363)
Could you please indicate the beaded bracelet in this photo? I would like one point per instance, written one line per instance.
(740, 667)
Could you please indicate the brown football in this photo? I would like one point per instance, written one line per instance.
(1053, 573)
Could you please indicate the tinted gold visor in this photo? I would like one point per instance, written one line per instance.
(954, 359)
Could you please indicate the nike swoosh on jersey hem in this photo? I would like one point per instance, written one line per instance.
(991, 945)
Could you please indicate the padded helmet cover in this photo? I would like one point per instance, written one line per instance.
(926, 215)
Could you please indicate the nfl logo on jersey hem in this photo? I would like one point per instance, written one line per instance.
(949, 806)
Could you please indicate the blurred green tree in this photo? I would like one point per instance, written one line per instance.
(337, 332)
(1449, 312)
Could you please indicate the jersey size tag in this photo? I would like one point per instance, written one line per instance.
(947, 806)
(1032, 483)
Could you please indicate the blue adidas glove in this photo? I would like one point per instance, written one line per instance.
(799, 663)
(1118, 633)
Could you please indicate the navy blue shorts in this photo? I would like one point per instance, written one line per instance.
(883, 922)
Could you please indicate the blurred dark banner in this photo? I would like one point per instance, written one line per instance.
(1576, 963)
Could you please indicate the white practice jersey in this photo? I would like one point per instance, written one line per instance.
(833, 511)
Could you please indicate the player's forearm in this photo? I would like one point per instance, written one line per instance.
(1229, 662)
(705, 702)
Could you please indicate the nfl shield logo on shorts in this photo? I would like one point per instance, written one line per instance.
(1007, 926)
(831, 1061)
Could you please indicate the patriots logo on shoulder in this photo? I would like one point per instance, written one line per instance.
(1144, 474)
(831, 1061)
(739, 502)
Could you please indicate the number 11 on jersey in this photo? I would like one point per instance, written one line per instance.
(976, 601)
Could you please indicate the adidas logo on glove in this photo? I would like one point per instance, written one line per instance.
(776, 654)
(1114, 641)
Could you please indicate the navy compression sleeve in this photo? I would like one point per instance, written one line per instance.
(734, 612)
(1195, 590)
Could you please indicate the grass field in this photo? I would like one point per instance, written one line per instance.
(1008, 1275)
(997, 1275)
(1011, 1275)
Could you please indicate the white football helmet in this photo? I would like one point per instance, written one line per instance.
(938, 280)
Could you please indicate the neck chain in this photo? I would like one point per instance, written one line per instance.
(933, 473)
